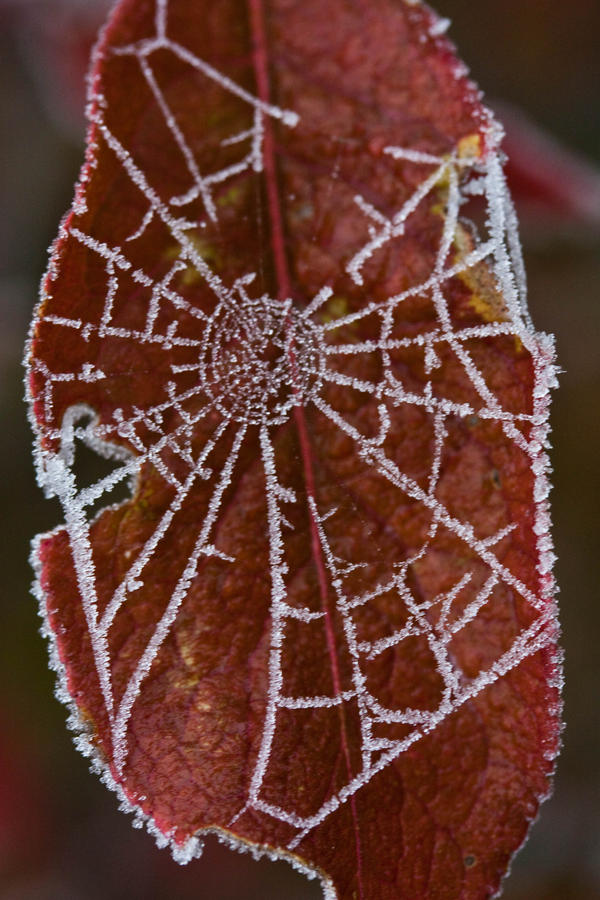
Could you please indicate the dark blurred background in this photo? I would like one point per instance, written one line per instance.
(61, 835)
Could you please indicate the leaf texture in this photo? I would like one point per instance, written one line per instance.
(288, 310)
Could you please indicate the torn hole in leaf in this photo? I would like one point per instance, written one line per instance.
(103, 473)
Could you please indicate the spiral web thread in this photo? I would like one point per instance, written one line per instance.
(270, 402)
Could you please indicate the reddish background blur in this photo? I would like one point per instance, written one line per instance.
(61, 836)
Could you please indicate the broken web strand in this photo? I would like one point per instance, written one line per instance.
(502, 246)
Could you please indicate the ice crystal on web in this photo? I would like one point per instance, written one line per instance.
(238, 368)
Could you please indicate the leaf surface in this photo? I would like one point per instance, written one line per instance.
(288, 310)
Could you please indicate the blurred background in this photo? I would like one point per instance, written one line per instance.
(61, 835)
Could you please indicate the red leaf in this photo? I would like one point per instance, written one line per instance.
(323, 623)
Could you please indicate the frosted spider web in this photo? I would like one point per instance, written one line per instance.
(306, 347)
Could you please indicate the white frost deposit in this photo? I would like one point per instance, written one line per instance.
(244, 334)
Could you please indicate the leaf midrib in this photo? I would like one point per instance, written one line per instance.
(260, 60)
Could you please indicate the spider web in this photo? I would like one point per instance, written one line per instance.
(307, 348)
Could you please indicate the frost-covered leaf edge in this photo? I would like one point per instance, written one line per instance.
(192, 848)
